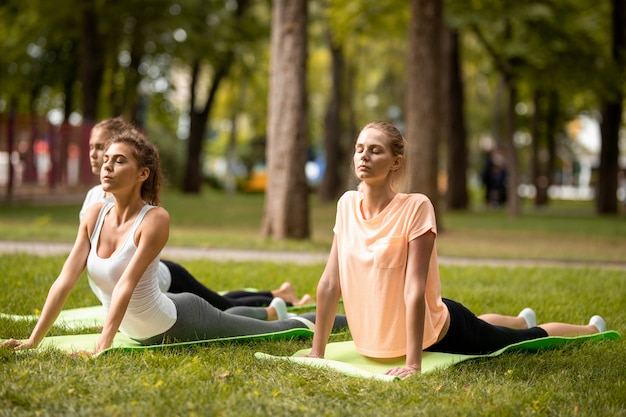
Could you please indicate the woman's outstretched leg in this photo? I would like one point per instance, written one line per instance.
(527, 319)
(524, 320)
(183, 281)
(277, 310)
(596, 325)
(199, 320)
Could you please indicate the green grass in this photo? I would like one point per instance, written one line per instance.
(225, 380)
(562, 231)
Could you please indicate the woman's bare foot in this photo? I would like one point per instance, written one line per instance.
(306, 299)
(287, 293)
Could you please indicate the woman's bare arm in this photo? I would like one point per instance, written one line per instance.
(327, 300)
(420, 250)
(151, 237)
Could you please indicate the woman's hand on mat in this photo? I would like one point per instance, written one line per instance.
(311, 355)
(17, 344)
(403, 372)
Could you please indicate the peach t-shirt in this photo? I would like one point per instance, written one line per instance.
(372, 266)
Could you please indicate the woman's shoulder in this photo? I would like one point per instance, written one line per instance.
(416, 202)
(157, 214)
(350, 195)
(414, 197)
(93, 210)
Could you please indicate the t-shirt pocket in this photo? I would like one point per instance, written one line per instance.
(390, 252)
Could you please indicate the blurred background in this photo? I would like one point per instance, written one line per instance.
(529, 94)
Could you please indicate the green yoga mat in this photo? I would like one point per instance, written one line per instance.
(76, 318)
(85, 317)
(87, 342)
(342, 356)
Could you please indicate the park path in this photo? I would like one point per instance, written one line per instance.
(187, 253)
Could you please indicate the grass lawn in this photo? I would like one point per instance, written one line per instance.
(224, 379)
(562, 231)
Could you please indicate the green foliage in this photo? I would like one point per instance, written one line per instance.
(225, 379)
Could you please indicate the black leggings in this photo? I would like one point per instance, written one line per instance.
(183, 281)
(470, 335)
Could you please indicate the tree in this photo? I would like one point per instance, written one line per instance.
(92, 63)
(331, 184)
(367, 79)
(453, 116)
(508, 67)
(606, 201)
(423, 120)
(221, 58)
(286, 196)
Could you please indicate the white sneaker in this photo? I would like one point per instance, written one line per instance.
(528, 314)
(599, 323)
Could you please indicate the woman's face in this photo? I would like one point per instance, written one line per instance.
(373, 159)
(97, 140)
(120, 169)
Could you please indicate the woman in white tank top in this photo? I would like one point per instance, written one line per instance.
(120, 243)
(173, 277)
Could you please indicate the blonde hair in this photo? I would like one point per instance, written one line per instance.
(398, 145)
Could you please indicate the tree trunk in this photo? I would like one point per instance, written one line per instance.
(132, 102)
(92, 64)
(552, 129)
(423, 90)
(606, 199)
(286, 197)
(513, 200)
(537, 163)
(544, 159)
(198, 122)
(92, 69)
(454, 133)
(329, 188)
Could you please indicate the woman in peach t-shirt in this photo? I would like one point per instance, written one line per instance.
(383, 264)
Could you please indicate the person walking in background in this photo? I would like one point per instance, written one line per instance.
(494, 178)
(119, 244)
(173, 277)
(383, 264)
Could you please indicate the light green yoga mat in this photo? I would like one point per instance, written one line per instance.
(76, 318)
(87, 342)
(85, 317)
(342, 356)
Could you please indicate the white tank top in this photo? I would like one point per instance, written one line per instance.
(149, 312)
(96, 195)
